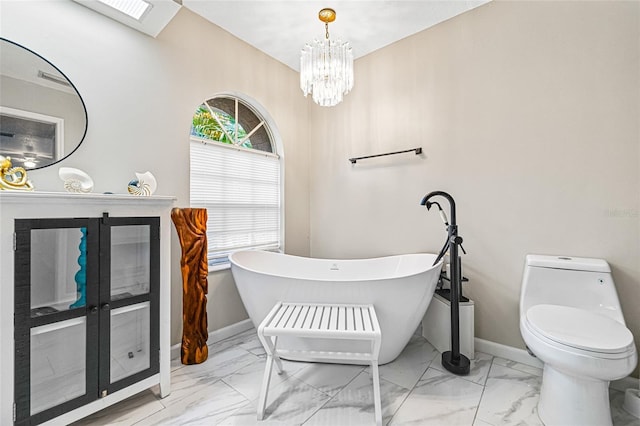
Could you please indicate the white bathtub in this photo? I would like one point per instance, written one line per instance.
(399, 287)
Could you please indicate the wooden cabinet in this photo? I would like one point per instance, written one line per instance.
(88, 296)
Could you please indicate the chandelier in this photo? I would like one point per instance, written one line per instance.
(326, 66)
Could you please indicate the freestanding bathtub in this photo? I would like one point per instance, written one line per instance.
(399, 287)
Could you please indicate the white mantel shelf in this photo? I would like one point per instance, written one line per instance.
(90, 198)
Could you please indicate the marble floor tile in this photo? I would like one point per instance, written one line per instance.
(414, 360)
(248, 380)
(191, 378)
(329, 378)
(518, 366)
(353, 405)
(290, 403)
(619, 415)
(478, 371)
(247, 340)
(126, 412)
(478, 422)
(510, 397)
(440, 399)
(201, 407)
(253, 345)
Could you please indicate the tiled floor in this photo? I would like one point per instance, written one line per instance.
(415, 389)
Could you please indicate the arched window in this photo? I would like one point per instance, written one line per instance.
(236, 174)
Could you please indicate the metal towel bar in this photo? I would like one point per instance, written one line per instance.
(417, 151)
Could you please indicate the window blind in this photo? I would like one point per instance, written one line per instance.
(240, 189)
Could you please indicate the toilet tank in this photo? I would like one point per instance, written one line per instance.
(570, 281)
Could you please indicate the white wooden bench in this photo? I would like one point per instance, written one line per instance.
(321, 321)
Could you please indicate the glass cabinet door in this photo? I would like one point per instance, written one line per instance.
(130, 282)
(56, 344)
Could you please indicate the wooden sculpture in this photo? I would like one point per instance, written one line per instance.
(191, 225)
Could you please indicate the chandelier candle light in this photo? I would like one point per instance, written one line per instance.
(326, 66)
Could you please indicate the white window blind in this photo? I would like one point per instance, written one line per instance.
(240, 189)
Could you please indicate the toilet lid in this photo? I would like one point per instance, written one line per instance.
(579, 328)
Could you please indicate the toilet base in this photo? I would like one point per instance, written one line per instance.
(569, 400)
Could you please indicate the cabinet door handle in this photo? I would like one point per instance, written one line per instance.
(93, 309)
(106, 307)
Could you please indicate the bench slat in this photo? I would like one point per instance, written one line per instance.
(317, 321)
(310, 316)
(294, 316)
(287, 315)
(357, 313)
(333, 323)
(302, 316)
(366, 320)
(326, 316)
(350, 319)
(278, 316)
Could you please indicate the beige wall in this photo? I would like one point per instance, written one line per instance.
(141, 93)
(527, 113)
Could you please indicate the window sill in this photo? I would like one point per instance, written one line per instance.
(220, 267)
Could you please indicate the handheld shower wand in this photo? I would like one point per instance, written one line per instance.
(452, 360)
(443, 216)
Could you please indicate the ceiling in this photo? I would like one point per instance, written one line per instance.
(280, 28)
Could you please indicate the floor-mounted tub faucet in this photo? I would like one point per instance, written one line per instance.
(452, 360)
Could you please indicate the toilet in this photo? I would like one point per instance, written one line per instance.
(571, 319)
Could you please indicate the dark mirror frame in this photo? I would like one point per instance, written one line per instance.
(84, 107)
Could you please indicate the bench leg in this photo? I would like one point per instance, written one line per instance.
(264, 390)
(270, 348)
(376, 392)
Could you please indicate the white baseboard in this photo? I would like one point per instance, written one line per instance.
(508, 352)
(624, 384)
(523, 357)
(218, 335)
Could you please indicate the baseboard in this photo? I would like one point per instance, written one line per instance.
(523, 357)
(624, 384)
(218, 335)
(508, 352)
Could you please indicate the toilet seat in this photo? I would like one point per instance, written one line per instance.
(582, 330)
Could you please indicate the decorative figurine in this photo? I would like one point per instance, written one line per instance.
(145, 184)
(13, 178)
(75, 180)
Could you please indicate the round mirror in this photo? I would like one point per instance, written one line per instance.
(43, 118)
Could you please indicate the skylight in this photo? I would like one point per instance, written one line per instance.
(133, 8)
(147, 16)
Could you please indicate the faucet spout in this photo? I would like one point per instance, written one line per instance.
(452, 204)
